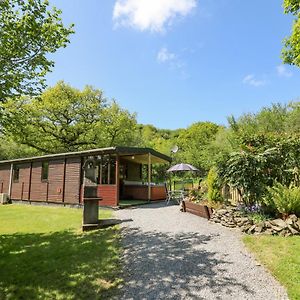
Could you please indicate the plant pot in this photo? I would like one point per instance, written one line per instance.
(197, 209)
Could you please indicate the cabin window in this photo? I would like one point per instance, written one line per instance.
(107, 170)
(16, 173)
(45, 171)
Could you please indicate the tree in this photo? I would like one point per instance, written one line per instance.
(66, 119)
(29, 31)
(117, 127)
(276, 119)
(291, 50)
(194, 142)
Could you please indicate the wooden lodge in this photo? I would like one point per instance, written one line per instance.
(117, 172)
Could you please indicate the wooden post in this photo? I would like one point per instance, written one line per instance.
(118, 179)
(149, 176)
(101, 171)
(22, 190)
(47, 191)
(108, 171)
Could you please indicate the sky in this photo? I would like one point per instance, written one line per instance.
(176, 62)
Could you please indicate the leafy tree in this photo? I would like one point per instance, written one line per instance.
(214, 186)
(10, 149)
(67, 119)
(117, 127)
(194, 143)
(260, 161)
(268, 119)
(291, 50)
(29, 31)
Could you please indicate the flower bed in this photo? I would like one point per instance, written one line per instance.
(197, 209)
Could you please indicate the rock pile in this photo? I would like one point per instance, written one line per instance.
(232, 218)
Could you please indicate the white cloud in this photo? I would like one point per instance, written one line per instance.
(153, 15)
(251, 80)
(164, 55)
(282, 71)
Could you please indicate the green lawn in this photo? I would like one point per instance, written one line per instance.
(281, 256)
(128, 203)
(44, 255)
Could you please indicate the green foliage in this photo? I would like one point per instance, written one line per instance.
(29, 31)
(286, 200)
(291, 50)
(66, 119)
(117, 127)
(274, 119)
(9, 149)
(214, 186)
(258, 217)
(195, 196)
(194, 144)
(261, 161)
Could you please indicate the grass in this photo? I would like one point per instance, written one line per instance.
(126, 203)
(281, 256)
(44, 255)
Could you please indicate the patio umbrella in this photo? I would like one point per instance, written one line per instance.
(182, 167)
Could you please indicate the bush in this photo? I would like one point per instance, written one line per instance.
(195, 196)
(282, 199)
(213, 186)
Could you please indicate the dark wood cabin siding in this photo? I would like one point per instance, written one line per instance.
(72, 180)
(108, 193)
(4, 178)
(140, 192)
(55, 180)
(39, 189)
(20, 188)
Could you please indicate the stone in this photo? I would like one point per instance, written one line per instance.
(292, 230)
(277, 228)
(289, 221)
(268, 224)
(245, 228)
(259, 227)
(293, 217)
(268, 231)
(283, 232)
(251, 229)
(279, 223)
(231, 226)
(297, 224)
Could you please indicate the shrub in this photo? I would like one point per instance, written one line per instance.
(213, 186)
(285, 200)
(195, 196)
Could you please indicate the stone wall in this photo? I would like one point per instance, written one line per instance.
(232, 218)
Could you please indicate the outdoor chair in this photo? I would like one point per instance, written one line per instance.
(177, 195)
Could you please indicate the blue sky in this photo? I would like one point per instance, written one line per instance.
(175, 62)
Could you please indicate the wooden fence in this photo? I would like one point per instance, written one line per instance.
(231, 194)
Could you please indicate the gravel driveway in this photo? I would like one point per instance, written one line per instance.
(173, 255)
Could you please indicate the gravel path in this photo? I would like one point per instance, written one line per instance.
(174, 255)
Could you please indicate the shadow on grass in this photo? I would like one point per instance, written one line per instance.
(164, 266)
(59, 265)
